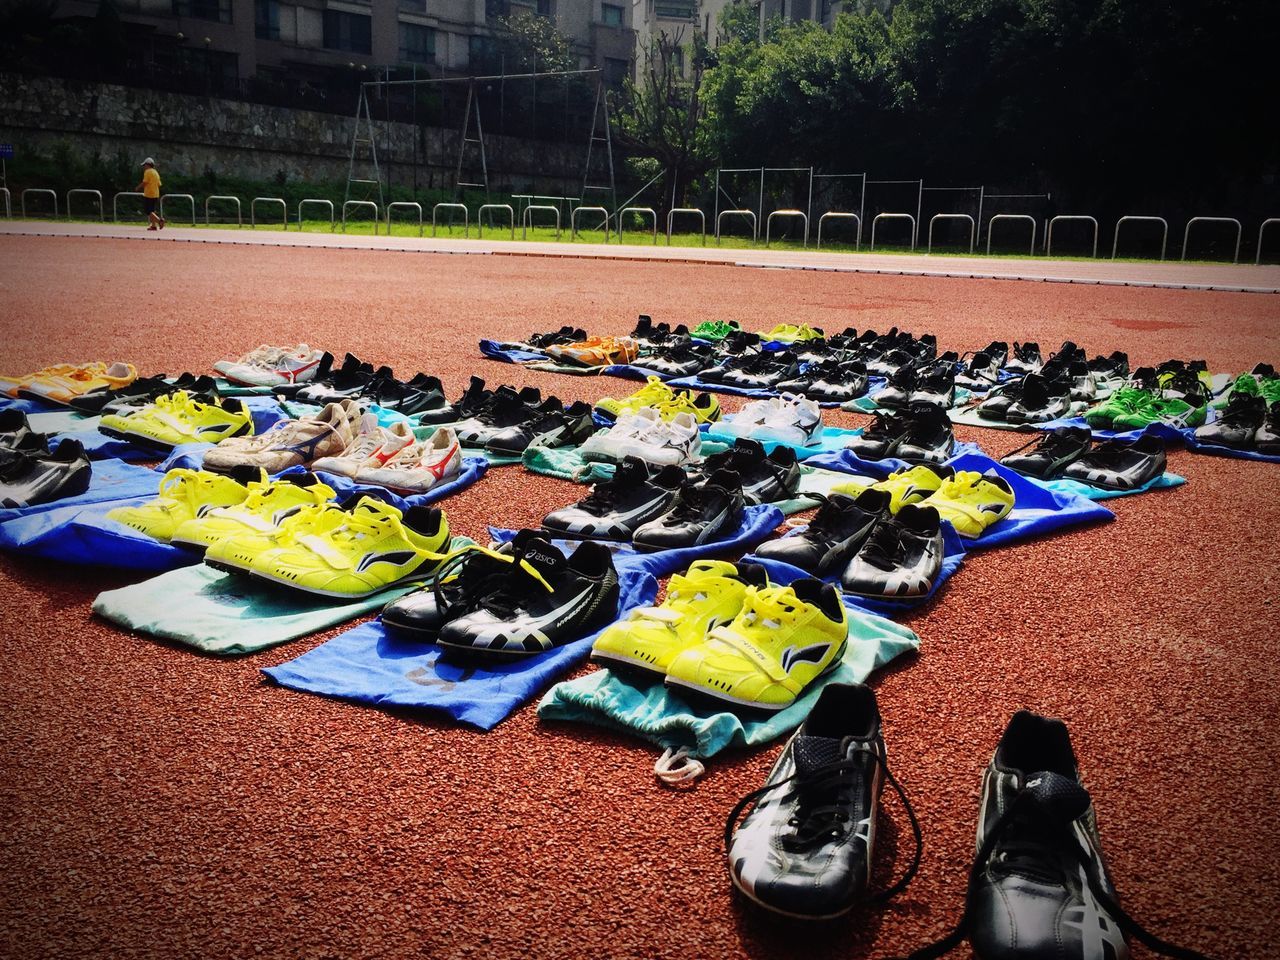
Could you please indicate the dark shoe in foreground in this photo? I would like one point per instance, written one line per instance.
(900, 559)
(701, 513)
(806, 848)
(1267, 439)
(1238, 424)
(766, 478)
(1039, 888)
(616, 508)
(836, 533)
(1120, 464)
(1050, 453)
(928, 438)
(35, 478)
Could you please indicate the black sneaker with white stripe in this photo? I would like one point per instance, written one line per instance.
(701, 513)
(33, 478)
(542, 601)
(1120, 464)
(766, 477)
(616, 508)
(806, 848)
(555, 426)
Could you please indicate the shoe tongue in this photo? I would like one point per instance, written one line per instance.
(813, 753)
(539, 554)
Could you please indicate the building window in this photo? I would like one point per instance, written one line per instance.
(218, 11)
(417, 43)
(545, 8)
(266, 19)
(413, 6)
(675, 10)
(347, 31)
(611, 14)
(616, 72)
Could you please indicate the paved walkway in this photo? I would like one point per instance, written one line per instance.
(1245, 278)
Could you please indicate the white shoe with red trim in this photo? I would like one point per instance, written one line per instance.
(420, 466)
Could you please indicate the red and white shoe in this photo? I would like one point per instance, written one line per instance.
(419, 467)
(270, 366)
(373, 447)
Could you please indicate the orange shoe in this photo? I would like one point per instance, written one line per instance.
(65, 387)
(11, 385)
(596, 351)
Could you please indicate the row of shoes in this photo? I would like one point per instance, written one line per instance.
(129, 398)
(931, 382)
(1038, 887)
(1042, 391)
(1070, 453)
(276, 366)
(522, 598)
(31, 473)
(647, 435)
(179, 417)
(668, 401)
(921, 432)
(726, 635)
(62, 383)
(291, 532)
(1174, 394)
(506, 421)
(421, 397)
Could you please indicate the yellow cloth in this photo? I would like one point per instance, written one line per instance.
(150, 183)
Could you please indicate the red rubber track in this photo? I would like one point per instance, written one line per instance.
(156, 803)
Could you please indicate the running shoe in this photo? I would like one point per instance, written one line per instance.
(16, 432)
(832, 380)
(184, 496)
(1176, 412)
(971, 502)
(467, 576)
(63, 388)
(837, 532)
(928, 437)
(554, 426)
(651, 335)
(1236, 426)
(1120, 464)
(702, 512)
(764, 370)
(653, 393)
(995, 406)
(178, 418)
(10, 385)
(936, 384)
(270, 366)
(596, 351)
(715, 330)
(346, 382)
(900, 559)
(538, 341)
(766, 477)
(782, 640)
(681, 357)
(372, 446)
(786, 419)
(141, 393)
(807, 845)
(419, 467)
(422, 397)
(1047, 455)
(1267, 439)
(290, 443)
(709, 594)
(793, 333)
(1041, 400)
(502, 408)
(881, 438)
(474, 400)
(265, 506)
(899, 388)
(237, 552)
(617, 507)
(1110, 368)
(911, 485)
(1026, 359)
(1138, 393)
(546, 600)
(646, 435)
(1039, 887)
(893, 361)
(33, 478)
(375, 548)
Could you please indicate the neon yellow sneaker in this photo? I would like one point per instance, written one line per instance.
(782, 640)
(178, 418)
(268, 504)
(907, 486)
(184, 496)
(375, 548)
(237, 553)
(709, 594)
(703, 407)
(792, 333)
(973, 501)
(652, 394)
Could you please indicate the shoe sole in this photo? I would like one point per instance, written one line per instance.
(267, 578)
(751, 704)
(619, 662)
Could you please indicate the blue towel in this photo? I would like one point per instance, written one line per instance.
(952, 558)
(370, 666)
(473, 468)
(846, 461)
(829, 441)
(663, 717)
(84, 535)
(693, 383)
(757, 523)
(1066, 485)
(29, 407)
(111, 480)
(186, 456)
(634, 371)
(1163, 431)
(1037, 510)
(495, 351)
(1199, 446)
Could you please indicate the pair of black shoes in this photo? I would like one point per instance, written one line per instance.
(653, 335)
(680, 357)
(981, 371)
(934, 382)
(921, 433)
(143, 391)
(481, 413)
(1069, 453)
(525, 598)
(835, 379)
(763, 370)
(875, 553)
(705, 509)
(1034, 398)
(1246, 424)
(566, 334)
(30, 473)
(550, 425)
(1038, 887)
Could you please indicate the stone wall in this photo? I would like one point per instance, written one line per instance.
(188, 135)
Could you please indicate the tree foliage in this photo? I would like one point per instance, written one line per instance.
(529, 43)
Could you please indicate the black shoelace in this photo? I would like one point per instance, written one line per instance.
(822, 820)
(1032, 845)
(884, 426)
(688, 505)
(478, 576)
(1050, 444)
(884, 547)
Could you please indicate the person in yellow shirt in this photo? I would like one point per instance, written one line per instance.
(150, 190)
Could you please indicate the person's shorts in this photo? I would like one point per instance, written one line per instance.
(151, 205)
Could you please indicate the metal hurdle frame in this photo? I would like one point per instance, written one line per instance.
(179, 196)
(702, 218)
(755, 224)
(641, 210)
(328, 203)
(573, 221)
(1261, 230)
(222, 196)
(348, 204)
(495, 206)
(1164, 239)
(8, 202)
(115, 203)
(526, 218)
(1186, 234)
(893, 216)
(768, 223)
(466, 217)
(404, 205)
(42, 190)
(102, 208)
(840, 215)
(253, 206)
(1078, 218)
(1012, 216)
(973, 228)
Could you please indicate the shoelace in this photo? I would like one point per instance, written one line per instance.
(884, 547)
(1126, 923)
(491, 582)
(688, 505)
(824, 818)
(1050, 444)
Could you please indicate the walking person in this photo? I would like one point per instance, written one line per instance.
(150, 190)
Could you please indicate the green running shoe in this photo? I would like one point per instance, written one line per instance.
(1173, 411)
(1125, 402)
(1270, 390)
(715, 330)
(1246, 384)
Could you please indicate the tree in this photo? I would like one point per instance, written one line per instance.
(529, 44)
(661, 116)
